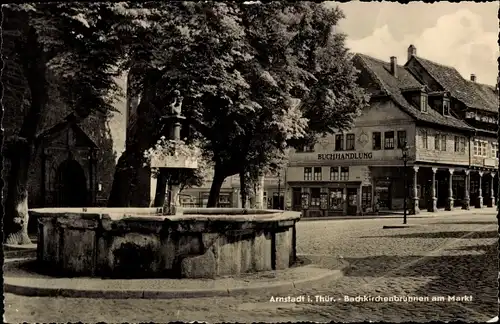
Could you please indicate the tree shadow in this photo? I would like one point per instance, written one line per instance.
(466, 223)
(472, 248)
(449, 275)
(451, 234)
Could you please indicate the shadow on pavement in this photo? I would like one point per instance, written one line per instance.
(465, 223)
(458, 275)
(472, 248)
(454, 234)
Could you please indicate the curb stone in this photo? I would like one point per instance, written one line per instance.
(279, 287)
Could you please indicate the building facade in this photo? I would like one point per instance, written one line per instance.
(448, 123)
(449, 127)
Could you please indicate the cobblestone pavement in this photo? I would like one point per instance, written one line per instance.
(454, 255)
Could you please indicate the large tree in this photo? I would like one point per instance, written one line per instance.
(255, 78)
(70, 48)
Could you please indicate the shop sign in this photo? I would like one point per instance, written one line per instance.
(346, 156)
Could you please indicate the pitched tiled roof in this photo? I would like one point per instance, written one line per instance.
(468, 92)
(380, 71)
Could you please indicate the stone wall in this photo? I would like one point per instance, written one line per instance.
(128, 244)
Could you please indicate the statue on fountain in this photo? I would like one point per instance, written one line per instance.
(176, 105)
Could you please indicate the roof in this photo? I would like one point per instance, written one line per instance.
(69, 121)
(473, 95)
(394, 87)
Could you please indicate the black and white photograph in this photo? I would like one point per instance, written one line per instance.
(184, 161)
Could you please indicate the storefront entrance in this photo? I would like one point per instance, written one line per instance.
(352, 201)
(383, 195)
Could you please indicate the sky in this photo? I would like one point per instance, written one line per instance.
(463, 35)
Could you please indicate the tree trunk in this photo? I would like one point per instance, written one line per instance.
(132, 180)
(16, 202)
(16, 217)
(161, 188)
(217, 182)
(243, 190)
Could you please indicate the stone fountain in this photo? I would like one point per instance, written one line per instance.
(165, 242)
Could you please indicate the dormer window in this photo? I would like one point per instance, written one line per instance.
(423, 102)
(446, 107)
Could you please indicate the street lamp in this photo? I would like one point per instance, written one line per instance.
(279, 190)
(405, 150)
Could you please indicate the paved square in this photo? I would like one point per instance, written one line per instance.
(443, 267)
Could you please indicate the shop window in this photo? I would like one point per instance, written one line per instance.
(389, 140)
(349, 145)
(344, 173)
(305, 200)
(376, 141)
(366, 198)
(224, 200)
(401, 139)
(308, 173)
(324, 200)
(334, 174)
(336, 201)
(339, 142)
(315, 197)
(317, 173)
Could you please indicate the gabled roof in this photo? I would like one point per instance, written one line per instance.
(69, 121)
(394, 87)
(468, 92)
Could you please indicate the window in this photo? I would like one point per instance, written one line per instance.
(423, 102)
(344, 173)
(484, 148)
(315, 197)
(425, 139)
(494, 150)
(437, 141)
(376, 141)
(309, 148)
(457, 144)
(317, 173)
(443, 142)
(334, 173)
(349, 145)
(308, 173)
(462, 144)
(446, 107)
(389, 140)
(480, 148)
(401, 139)
(339, 142)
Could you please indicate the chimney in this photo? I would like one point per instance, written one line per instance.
(473, 77)
(412, 51)
(394, 66)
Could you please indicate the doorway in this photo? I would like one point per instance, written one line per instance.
(278, 202)
(296, 199)
(352, 201)
(71, 185)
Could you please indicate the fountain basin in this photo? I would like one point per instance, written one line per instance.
(142, 243)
